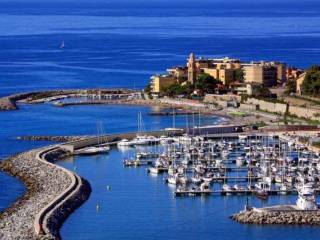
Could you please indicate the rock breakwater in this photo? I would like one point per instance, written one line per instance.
(53, 138)
(45, 182)
(278, 217)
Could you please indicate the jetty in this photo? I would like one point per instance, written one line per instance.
(284, 214)
(10, 102)
(52, 194)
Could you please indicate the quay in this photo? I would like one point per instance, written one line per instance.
(238, 192)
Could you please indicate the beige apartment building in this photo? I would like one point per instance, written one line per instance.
(222, 69)
(281, 71)
(299, 82)
(226, 76)
(160, 82)
(260, 73)
(267, 74)
(179, 73)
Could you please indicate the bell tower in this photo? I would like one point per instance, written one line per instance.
(191, 68)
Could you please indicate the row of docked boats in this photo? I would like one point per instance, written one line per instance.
(261, 165)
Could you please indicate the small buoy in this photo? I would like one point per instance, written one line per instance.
(108, 187)
(98, 207)
(75, 168)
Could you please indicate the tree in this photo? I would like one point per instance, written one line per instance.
(148, 89)
(206, 83)
(239, 75)
(262, 92)
(311, 83)
(177, 89)
(291, 87)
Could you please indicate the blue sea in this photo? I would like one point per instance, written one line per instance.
(121, 44)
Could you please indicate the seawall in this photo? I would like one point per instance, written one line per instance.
(52, 194)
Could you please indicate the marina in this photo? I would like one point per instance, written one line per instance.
(258, 165)
(159, 120)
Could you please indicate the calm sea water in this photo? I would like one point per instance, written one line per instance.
(110, 44)
(142, 206)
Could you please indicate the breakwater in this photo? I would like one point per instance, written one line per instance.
(307, 217)
(52, 191)
(52, 138)
(52, 194)
(10, 102)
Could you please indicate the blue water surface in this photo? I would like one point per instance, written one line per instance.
(121, 44)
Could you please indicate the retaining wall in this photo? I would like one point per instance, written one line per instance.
(268, 106)
(304, 112)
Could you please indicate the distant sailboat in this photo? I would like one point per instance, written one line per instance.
(62, 44)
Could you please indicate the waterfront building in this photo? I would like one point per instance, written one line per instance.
(260, 73)
(293, 73)
(224, 69)
(281, 71)
(247, 88)
(225, 75)
(160, 82)
(179, 73)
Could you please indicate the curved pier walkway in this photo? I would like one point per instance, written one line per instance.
(52, 194)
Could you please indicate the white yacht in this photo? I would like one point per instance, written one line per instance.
(227, 188)
(185, 139)
(154, 170)
(165, 140)
(306, 198)
(262, 186)
(141, 140)
(124, 143)
(205, 187)
(196, 179)
(225, 153)
(93, 150)
(242, 138)
(240, 161)
(173, 180)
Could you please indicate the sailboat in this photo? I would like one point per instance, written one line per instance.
(142, 139)
(101, 147)
(62, 44)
